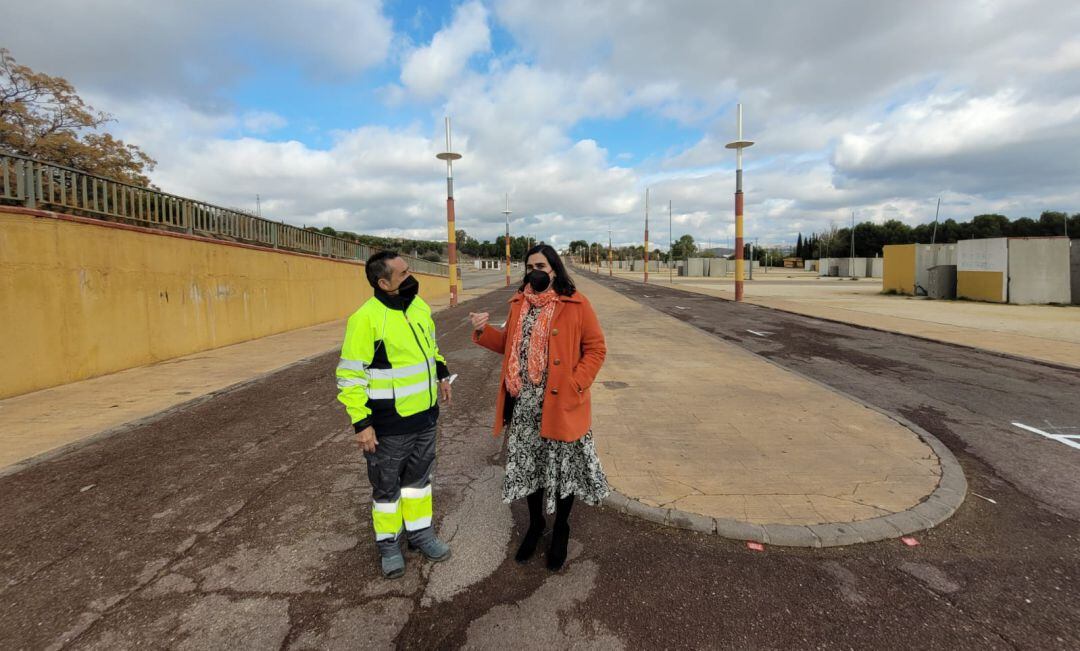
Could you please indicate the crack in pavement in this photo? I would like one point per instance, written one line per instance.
(86, 625)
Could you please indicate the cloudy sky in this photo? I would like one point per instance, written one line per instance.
(332, 110)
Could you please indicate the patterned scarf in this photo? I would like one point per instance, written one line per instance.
(538, 340)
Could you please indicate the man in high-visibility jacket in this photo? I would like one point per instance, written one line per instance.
(389, 378)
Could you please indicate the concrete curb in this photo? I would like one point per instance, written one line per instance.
(934, 509)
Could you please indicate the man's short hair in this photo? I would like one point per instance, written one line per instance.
(378, 266)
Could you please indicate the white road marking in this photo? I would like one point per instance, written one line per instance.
(984, 497)
(1071, 440)
(679, 307)
(760, 334)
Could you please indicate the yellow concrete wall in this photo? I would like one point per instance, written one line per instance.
(980, 285)
(80, 299)
(899, 272)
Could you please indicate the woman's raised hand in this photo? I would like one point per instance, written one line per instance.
(479, 320)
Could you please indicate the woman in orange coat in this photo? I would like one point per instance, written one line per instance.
(552, 349)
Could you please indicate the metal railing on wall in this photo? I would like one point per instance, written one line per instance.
(36, 184)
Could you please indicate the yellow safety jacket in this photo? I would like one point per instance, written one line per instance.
(390, 366)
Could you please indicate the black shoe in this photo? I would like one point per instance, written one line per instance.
(556, 554)
(528, 543)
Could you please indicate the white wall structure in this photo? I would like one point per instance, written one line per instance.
(830, 267)
(639, 265)
(875, 267)
(982, 269)
(852, 267)
(1074, 277)
(695, 267)
(653, 266)
(931, 255)
(1039, 270)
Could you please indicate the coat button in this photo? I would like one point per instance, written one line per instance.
(557, 362)
(554, 392)
(554, 331)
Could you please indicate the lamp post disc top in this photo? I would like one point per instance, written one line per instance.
(739, 144)
(448, 155)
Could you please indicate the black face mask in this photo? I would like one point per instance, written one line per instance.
(538, 280)
(408, 288)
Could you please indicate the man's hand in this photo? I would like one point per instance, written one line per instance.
(366, 439)
(479, 320)
(444, 391)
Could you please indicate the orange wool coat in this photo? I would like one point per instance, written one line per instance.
(576, 351)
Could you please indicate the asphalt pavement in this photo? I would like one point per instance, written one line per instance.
(242, 521)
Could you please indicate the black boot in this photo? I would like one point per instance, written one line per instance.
(536, 527)
(560, 535)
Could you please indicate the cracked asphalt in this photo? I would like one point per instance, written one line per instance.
(242, 521)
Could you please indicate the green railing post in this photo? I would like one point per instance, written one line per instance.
(29, 183)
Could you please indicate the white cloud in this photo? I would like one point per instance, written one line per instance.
(871, 107)
(260, 122)
(940, 127)
(427, 71)
(192, 50)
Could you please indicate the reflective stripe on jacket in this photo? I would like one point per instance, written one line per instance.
(388, 361)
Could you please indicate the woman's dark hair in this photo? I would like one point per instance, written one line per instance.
(564, 285)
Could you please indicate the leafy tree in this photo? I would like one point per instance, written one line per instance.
(1053, 223)
(578, 248)
(43, 117)
(684, 247)
(989, 226)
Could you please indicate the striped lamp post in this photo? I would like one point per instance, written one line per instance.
(738, 146)
(449, 156)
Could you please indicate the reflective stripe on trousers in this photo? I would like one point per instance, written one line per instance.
(400, 474)
(386, 516)
(416, 507)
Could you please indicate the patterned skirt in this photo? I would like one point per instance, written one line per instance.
(558, 467)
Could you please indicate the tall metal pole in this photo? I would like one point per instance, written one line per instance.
(609, 272)
(753, 245)
(670, 245)
(738, 146)
(755, 250)
(449, 156)
(933, 236)
(506, 214)
(646, 235)
(851, 263)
